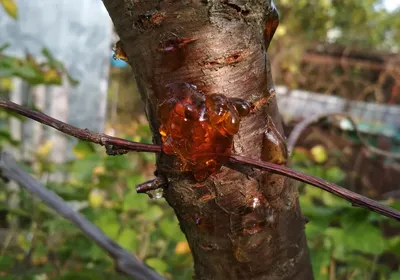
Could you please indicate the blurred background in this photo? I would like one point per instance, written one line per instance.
(327, 56)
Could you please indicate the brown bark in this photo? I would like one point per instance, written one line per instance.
(219, 46)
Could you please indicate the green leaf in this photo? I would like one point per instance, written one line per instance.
(134, 201)
(6, 263)
(153, 213)
(133, 180)
(5, 136)
(157, 264)
(83, 148)
(54, 63)
(10, 7)
(4, 47)
(362, 237)
(314, 228)
(14, 115)
(395, 204)
(148, 157)
(50, 58)
(320, 259)
(395, 276)
(299, 155)
(82, 169)
(333, 201)
(86, 274)
(334, 174)
(71, 80)
(127, 239)
(108, 221)
(354, 217)
(117, 163)
(95, 253)
(28, 73)
(171, 230)
(394, 245)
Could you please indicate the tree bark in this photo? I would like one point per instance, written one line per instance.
(238, 227)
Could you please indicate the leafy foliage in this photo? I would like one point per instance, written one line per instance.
(352, 24)
(29, 69)
(32, 71)
(346, 242)
(349, 242)
(103, 189)
(351, 21)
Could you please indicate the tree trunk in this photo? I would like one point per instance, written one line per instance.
(238, 227)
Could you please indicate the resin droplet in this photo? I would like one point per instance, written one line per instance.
(198, 129)
(274, 146)
(119, 52)
(242, 106)
(156, 194)
(271, 25)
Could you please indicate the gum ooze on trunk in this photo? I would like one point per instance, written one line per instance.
(198, 129)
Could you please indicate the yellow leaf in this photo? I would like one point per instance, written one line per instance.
(6, 83)
(20, 256)
(39, 260)
(41, 277)
(182, 248)
(281, 31)
(96, 198)
(10, 7)
(98, 170)
(79, 155)
(319, 153)
(109, 204)
(52, 76)
(44, 150)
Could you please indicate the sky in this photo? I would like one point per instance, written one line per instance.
(391, 4)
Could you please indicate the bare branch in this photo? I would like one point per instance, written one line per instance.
(300, 127)
(234, 161)
(151, 185)
(124, 261)
(354, 198)
(83, 134)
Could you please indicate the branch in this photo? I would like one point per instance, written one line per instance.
(354, 198)
(235, 162)
(124, 261)
(83, 134)
(300, 127)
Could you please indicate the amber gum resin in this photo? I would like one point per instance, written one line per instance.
(198, 129)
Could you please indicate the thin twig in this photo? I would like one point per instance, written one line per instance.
(124, 261)
(83, 134)
(354, 198)
(236, 161)
(300, 127)
(151, 185)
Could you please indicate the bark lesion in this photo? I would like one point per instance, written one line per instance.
(149, 20)
(240, 9)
